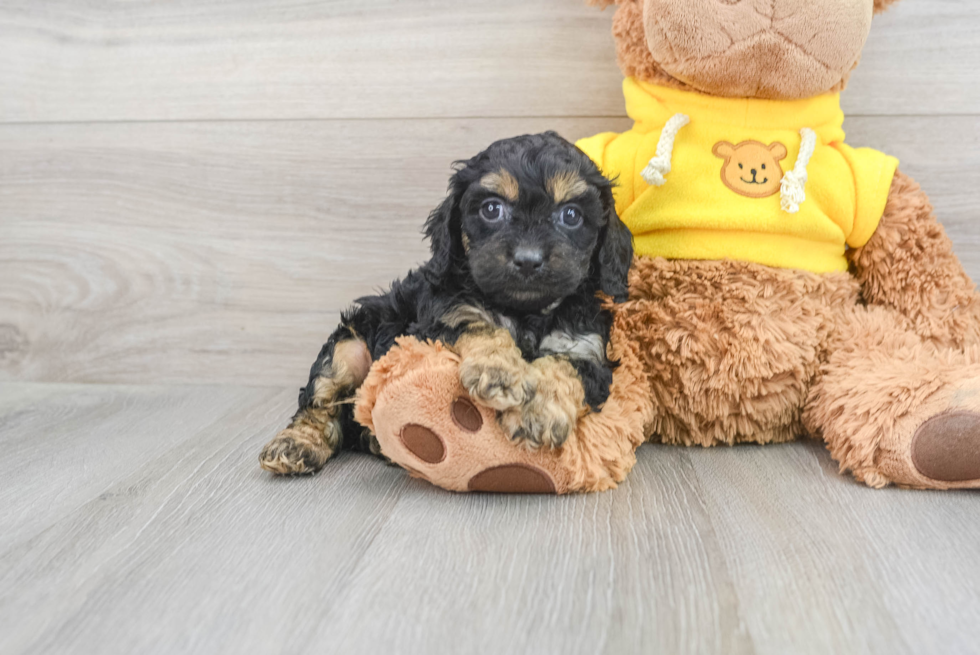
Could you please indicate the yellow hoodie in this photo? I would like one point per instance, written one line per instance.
(724, 190)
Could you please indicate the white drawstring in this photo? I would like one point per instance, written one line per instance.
(792, 188)
(656, 171)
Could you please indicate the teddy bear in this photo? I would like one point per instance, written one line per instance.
(785, 284)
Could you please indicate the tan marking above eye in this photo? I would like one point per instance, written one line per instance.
(566, 185)
(503, 183)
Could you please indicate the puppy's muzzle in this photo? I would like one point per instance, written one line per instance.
(528, 261)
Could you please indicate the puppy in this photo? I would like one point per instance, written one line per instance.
(525, 241)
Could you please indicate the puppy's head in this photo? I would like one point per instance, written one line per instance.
(532, 221)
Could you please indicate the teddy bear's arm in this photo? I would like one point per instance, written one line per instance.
(909, 265)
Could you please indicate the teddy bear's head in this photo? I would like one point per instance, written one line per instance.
(774, 49)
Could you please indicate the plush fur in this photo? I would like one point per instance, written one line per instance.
(730, 348)
(522, 248)
(738, 352)
(416, 384)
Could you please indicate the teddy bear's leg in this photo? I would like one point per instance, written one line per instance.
(909, 266)
(729, 348)
(894, 408)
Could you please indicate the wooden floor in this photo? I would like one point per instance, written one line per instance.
(136, 521)
(189, 194)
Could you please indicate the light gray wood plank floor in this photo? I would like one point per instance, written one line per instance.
(135, 520)
(191, 191)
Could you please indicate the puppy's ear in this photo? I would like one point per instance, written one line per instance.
(443, 230)
(614, 254)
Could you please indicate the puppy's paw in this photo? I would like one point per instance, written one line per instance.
(497, 382)
(295, 451)
(540, 423)
(548, 418)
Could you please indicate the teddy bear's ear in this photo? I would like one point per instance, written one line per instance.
(723, 149)
(881, 5)
(778, 151)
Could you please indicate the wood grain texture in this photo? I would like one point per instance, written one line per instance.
(920, 59)
(253, 59)
(191, 548)
(223, 252)
(858, 572)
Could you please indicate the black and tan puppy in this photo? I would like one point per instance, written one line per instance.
(526, 239)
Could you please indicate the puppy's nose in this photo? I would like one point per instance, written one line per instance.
(528, 260)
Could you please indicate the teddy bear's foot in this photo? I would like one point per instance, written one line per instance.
(451, 444)
(946, 447)
(936, 444)
(913, 424)
(296, 451)
(427, 422)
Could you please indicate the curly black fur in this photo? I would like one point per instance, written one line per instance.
(473, 264)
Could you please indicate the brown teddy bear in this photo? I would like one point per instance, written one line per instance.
(785, 283)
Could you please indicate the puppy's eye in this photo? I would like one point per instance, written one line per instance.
(492, 210)
(570, 216)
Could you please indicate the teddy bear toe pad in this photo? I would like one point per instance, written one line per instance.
(466, 415)
(423, 443)
(513, 479)
(947, 447)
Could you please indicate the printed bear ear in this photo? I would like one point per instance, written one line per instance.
(778, 151)
(723, 149)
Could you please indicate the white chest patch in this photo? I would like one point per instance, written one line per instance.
(575, 346)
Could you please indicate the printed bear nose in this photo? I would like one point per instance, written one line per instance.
(528, 260)
(753, 172)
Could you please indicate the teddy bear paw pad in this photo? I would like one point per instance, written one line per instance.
(513, 479)
(423, 443)
(947, 447)
(466, 415)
